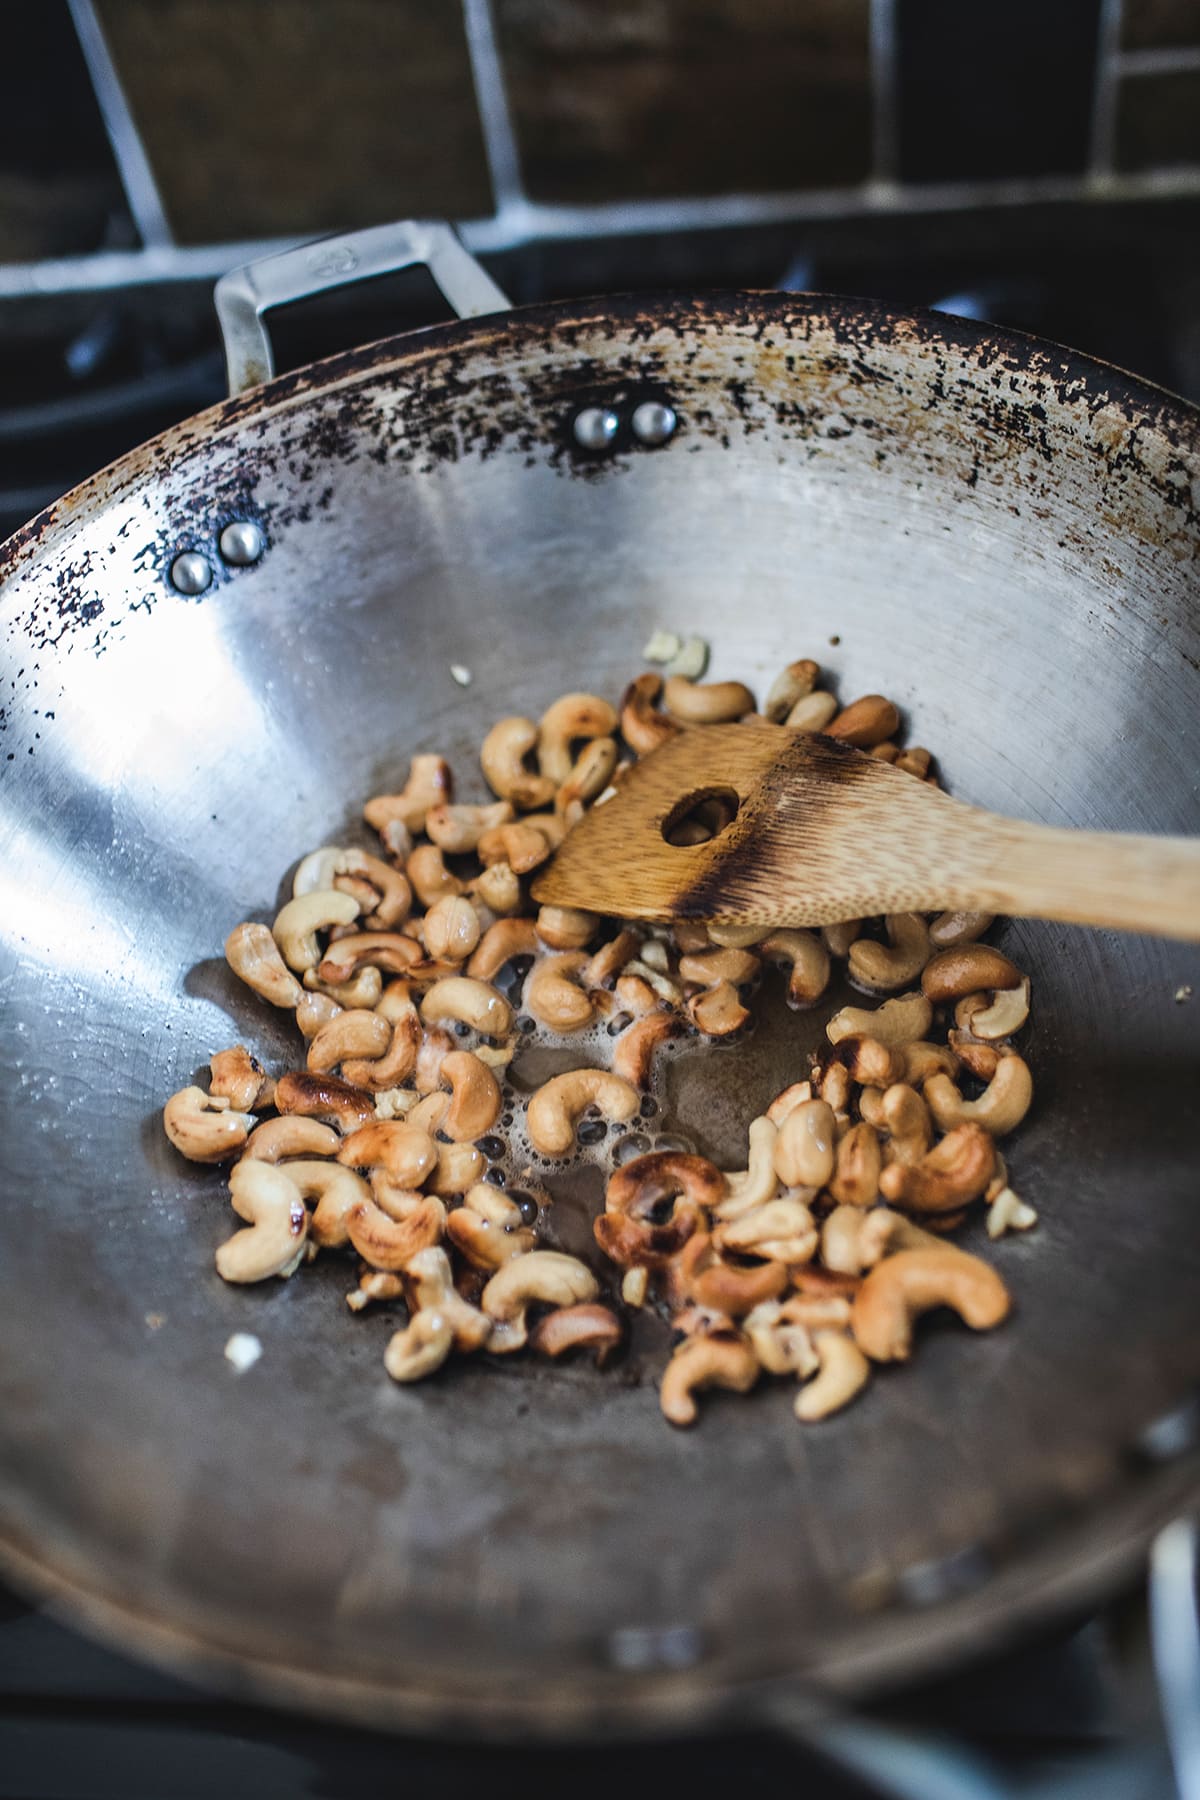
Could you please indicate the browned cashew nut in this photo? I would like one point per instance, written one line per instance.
(335, 1189)
(643, 727)
(555, 1109)
(859, 1160)
(865, 722)
(706, 703)
(905, 1116)
(204, 1127)
(324, 1097)
(567, 927)
(458, 829)
(781, 1231)
(391, 951)
(952, 1174)
(488, 1228)
(502, 756)
(351, 1034)
(298, 922)
(726, 1361)
(500, 944)
(429, 1281)
(902, 1287)
(406, 1154)
(429, 875)
(429, 784)
(571, 718)
(585, 1327)
(399, 1060)
(590, 775)
(869, 1062)
(253, 955)
(473, 1003)
(699, 1274)
(653, 1204)
(522, 846)
(951, 928)
(753, 1186)
(804, 1149)
(923, 1059)
(391, 1244)
(553, 995)
(1007, 1012)
(967, 969)
(420, 1348)
(718, 1011)
(808, 964)
(475, 1099)
(999, 1109)
(459, 1167)
(633, 1055)
(882, 969)
(240, 1078)
(789, 686)
(277, 1139)
(276, 1225)
(543, 1276)
(781, 1346)
(896, 1023)
(844, 1372)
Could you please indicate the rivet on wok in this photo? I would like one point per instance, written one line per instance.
(654, 422)
(190, 572)
(595, 427)
(242, 542)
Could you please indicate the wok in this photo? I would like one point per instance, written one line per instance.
(1000, 534)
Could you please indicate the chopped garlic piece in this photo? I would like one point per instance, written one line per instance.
(663, 646)
(1008, 1213)
(243, 1351)
(691, 661)
(461, 674)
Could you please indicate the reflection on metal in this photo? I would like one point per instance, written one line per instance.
(885, 148)
(1175, 1635)
(241, 543)
(137, 177)
(1104, 90)
(491, 97)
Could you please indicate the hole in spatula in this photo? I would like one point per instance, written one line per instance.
(700, 816)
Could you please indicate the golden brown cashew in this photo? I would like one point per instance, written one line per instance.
(473, 1003)
(391, 1244)
(497, 887)
(884, 968)
(556, 1108)
(451, 928)
(865, 722)
(952, 1174)
(488, 1229)
(276, 1225)
(808, 964)
(698, 1274)
(855, 1178)
(726, 1361)
(544, 1276)
(922, 1059)
(717, 1011)
(420, 1348)
(902, 1287)
(633, 1229)
(757, 1184)
(313, 1011)
(789, 686)
(611, 958)
(553, 995)
(788, 1100)
(1001, 1106)
(590, 775)
(399, 1060)
(297, 924)
(722, 963)
(896, 1023)
(427, 1115)
(844, 1372)
(706, 703)
(502, 756)
(430, 1284)
(276, 1139)
(837, 939)
(781, 1346)
(951, 928)
(253, 955)
(429, 875)
(474, 1097)
(500, 944)
(643, 727)
(204, 1127)
(968, 969)
(459, 1167)
(633, 1054)
(458, 829)
(585, 1327)
(429, 784)
(1008, 1011)
(335, 1191)
(392, 901)
(240, 1078)
(812, 712)
(905, 1117)
(362, 992)
(869, 1062)
(521, 846)
(781, 1231)
(403, 1151)
(324, 1097)
(350, 1034)
(393, 951)
(572, 717)
(567, 927)
(804, 1149)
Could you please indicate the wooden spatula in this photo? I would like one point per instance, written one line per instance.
(823, 832)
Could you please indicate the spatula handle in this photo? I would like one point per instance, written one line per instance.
(1149, 884)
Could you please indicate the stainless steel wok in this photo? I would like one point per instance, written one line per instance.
(998, 533)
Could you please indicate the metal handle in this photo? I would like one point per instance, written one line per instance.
(245, 295)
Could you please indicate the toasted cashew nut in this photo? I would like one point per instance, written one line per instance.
(556, 1108)
(253, 955)
(392, 900)
(391, 1244)
(487, 1228)
(844, 1373)
(706, 703)
(837, 939)
(902, 1287)
(399, 1060)
(812, 712)
(788, 1100)
(297, 924)
(429, 784)
(436, 1046)
(363, 990)
(882, 1232)
(804, 1149)
(831, 1083)
(459, 1167)
(952, 1174)
(314, 1010)
(427, 1115)
(855, 1178)
(1001, 1106)
(497, 887)
(522, 846)
(502, 756)
(869, 1062)
(722, 963)
(951, 928)
(758, 1183)
(451, 928)
(865, 722)
(542, 1275)
(922, 1059)
(335, 1189)
(276, 1225)
(429, 875)
(204, 1127)
(1008, 1011)
(808, 961)
(324, 1097)
(420, 1348)
(475, 1100)
(727, 1361)
(350, 1034)
(882, 968)
(905, 1116)
(841, 1233)
(238, 1077)
(789, 686)
(430, 1283)
(458, 829)
(632, 1230)
(643, 727)
(407, 1154)
(968, 969)
(500, 943)
(698, 1274)
(590, 775)
(552, 993)
(633, 1054)
(781, 1231)
(473, 1003)
(567, 927)
(584, 1327)
(611, 958)
(572, 717)
(781, 1346)
(730, 937)
(717, 1011)
(393, 951)
(276, 1139)
(896, 1023)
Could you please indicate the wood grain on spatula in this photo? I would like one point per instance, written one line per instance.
(823, 833)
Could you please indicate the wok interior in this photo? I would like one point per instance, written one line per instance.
(940, 518)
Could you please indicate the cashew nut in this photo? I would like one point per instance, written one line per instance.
(592, 771)
(718, 1011)
(788, 1100)
(611, 958)
(459, 1167)
(922, 1059)
(552, 993)
(1001, 1106)
(808, 974)
(522, 846)
(400, 1058)
(253, 955)
(502, 756)
(653, 1204)
(451, 928)
(865, 722)
(497, 887)
(726, 1361)
(429, 875)
(896, 1023)
(488, 1228)
(840, 1239)
(757, 1184)
(643, 727)
(362, 992)
(313, 1011)
(436, 1046)
(585, 1327)
(722, 963)
(238, 1077)
(350, 1034)
(699, 1274)
(952, 1174)
(967, 969)
(567, 927)
(1008, 1212)
(857, 1165)
(391, 1244)
(393, 951)
(500, 944)
(542, 1275)
(556, 1108)
(473, 1003)
(276, 1224)
(431, 1284)
(402, 1150)
(298, 922)
(335, 1189)
(804, 1149)
(429, 784)
(276, 1139)
(475, 1100)
(883, 968)
(869, 1062)
(902, 1287)
(204, 1127)
(570, 718)
(844, 1372)
(420, 1348)
(789, 686)
(707, 703)
(951, 928)
(838, 938)
(905, 1116)
(633, 1055)
(458, 829)
(1007, 1013)
(324, 1097)
(812, 712)
(781, 1231)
